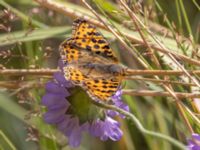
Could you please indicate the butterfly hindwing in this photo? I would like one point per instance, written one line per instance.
(97, 88)
(73, 74)
(101, 89)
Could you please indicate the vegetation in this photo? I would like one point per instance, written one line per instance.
(158, 40)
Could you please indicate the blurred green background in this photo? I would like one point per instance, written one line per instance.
(29, 38)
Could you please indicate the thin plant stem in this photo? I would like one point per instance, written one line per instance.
(185, 18)
(178, 14)
(17, 72)
(159, 93)
(196, 4)
(195, 118)
(7, 140)
(155, 60)
(128, 72)
(139, 125)
(159, 81)
(180, 108)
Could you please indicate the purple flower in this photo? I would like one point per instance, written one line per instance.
(70, 109)
(117, 100)
(194, 142)
(109, 128)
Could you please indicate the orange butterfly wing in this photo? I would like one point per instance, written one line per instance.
(86, 36)
(102, 89)
(88, 46)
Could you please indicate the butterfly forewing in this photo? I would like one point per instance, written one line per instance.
(68, 52)
(87, 37)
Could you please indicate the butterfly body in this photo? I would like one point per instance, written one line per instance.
(90, 62)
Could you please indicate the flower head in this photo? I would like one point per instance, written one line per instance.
(194, 142)
(107, 129)
(70, 109)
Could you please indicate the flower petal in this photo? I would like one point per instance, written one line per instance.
(194, 142)
(52, 87)
(75, 137)
(73, 122)
(112, 113)
(55, 116)
(116, 98)
(113, 129)
(85, 126)
(61, 80)
(96, 128)
(116, 133)
(117, 95)
(195, 147)
(196, 136)
(54, 100)
(64, 126)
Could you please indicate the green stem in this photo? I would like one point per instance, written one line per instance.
(179, 15)
(139, 125)
(196, 4)
(185, 18)
(7, 140)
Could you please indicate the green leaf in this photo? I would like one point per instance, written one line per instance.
(37, 34)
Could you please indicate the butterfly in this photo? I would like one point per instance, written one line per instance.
(90, 62)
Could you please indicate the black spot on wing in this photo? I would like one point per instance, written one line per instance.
(95, 86)
(89, 33)
(104, 86)
(101, 41)
(111, 91)
(98, 52)
(79, 44)
(93, 40)
(105, 82)
(88, 48)
(105, 47)
(96, 46)
(96, 81)
(97, 33)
